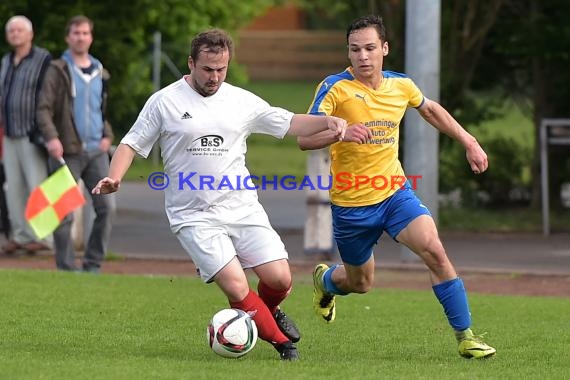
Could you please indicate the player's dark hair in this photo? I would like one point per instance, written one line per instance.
(78, 20)
(213, 40)
(374, 21)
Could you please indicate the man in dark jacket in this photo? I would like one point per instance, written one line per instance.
(71, 117)
(25, 163)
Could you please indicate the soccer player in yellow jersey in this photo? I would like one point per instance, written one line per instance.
(370, 193)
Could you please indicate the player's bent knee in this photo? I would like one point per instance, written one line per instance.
(433, 250)
(281, 284)
(439, 263)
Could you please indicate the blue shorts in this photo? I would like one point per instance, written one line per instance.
(357, 229)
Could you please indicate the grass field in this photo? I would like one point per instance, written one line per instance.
(71, 326)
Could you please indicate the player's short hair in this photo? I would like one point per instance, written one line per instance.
(78, 20)
(374, 21)
(23, 19)
(212, 40)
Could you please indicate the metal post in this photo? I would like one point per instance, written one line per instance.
(318, 237)
(559, 135)
(156, 60)
(544, 178)
(421, 144)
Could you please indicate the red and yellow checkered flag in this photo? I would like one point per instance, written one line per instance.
(52, 200)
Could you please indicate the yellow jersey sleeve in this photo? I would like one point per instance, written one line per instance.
(416, 98)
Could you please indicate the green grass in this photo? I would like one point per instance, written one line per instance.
(500, 220)
(267, 155)
(141, 168)
(72, 326)
(294, 96)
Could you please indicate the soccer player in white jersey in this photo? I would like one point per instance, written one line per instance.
(202, 124)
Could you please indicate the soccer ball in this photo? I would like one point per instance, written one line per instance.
(231, 333)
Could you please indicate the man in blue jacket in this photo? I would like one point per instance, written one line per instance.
(71, 116)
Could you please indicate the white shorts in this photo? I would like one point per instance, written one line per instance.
(251, 239)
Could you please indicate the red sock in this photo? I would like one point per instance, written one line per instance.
(272, 297)
(266, 327)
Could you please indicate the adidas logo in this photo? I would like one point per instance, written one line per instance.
(186, 116)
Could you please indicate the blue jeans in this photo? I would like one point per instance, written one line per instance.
(90, 167)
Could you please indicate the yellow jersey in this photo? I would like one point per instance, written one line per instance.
(366, 174)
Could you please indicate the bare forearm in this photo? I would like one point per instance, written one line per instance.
(307, 125)
(317, 141)
(437, 116)
(122, 159)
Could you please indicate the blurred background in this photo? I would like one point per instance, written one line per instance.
(504, 68)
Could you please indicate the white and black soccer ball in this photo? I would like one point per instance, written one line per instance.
(231, 333)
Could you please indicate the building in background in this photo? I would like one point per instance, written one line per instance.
(278, 46)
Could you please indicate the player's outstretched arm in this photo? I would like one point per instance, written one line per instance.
(438, 116)
(357, 133)
(307, 125)
(122, 159)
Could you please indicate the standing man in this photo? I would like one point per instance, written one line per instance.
(25, 162)
(202, 124)
(72, 118)
(370, 194)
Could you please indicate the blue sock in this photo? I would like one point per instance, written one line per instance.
(452, 296)
(330, 287)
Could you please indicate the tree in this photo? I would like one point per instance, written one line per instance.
(123, 37)
(466, 25)
(529, 58)
(337, 15)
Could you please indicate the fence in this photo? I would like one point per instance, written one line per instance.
(291, 55)
(552, 132)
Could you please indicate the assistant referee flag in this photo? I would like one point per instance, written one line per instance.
(52, 200)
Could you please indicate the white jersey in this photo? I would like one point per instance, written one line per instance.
(203, 146)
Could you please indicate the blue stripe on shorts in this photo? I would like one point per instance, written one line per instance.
(357, 229)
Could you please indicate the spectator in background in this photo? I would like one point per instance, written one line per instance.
(25, 163)
(71, 117)
(3, 206)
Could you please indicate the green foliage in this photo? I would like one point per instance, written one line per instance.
(493, 220)
(124, 37)
(528, 53)
(508, 160)
(337, 15)
(73, 326)
(506, 174)
(294, 96)
(508, 141)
